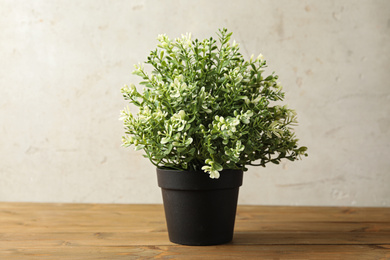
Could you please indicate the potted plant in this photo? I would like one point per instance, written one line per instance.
(205, 113)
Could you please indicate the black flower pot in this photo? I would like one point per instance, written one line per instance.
(199, 210)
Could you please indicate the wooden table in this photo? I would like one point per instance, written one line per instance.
(112, 231)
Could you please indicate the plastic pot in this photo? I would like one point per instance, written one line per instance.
(199, 210)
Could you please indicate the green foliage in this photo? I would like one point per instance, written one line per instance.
(205, 107)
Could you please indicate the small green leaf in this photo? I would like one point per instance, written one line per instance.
(139, 147)
(165, 140)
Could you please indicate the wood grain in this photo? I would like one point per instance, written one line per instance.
(118, 231)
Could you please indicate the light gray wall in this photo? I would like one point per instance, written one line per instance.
(62, 64)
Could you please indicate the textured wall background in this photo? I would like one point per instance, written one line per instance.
(62, 64)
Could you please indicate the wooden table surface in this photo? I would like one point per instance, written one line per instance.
(117, 231)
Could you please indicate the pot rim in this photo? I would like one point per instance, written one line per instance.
(198, 180)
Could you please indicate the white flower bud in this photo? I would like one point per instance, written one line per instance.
(260, 57)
